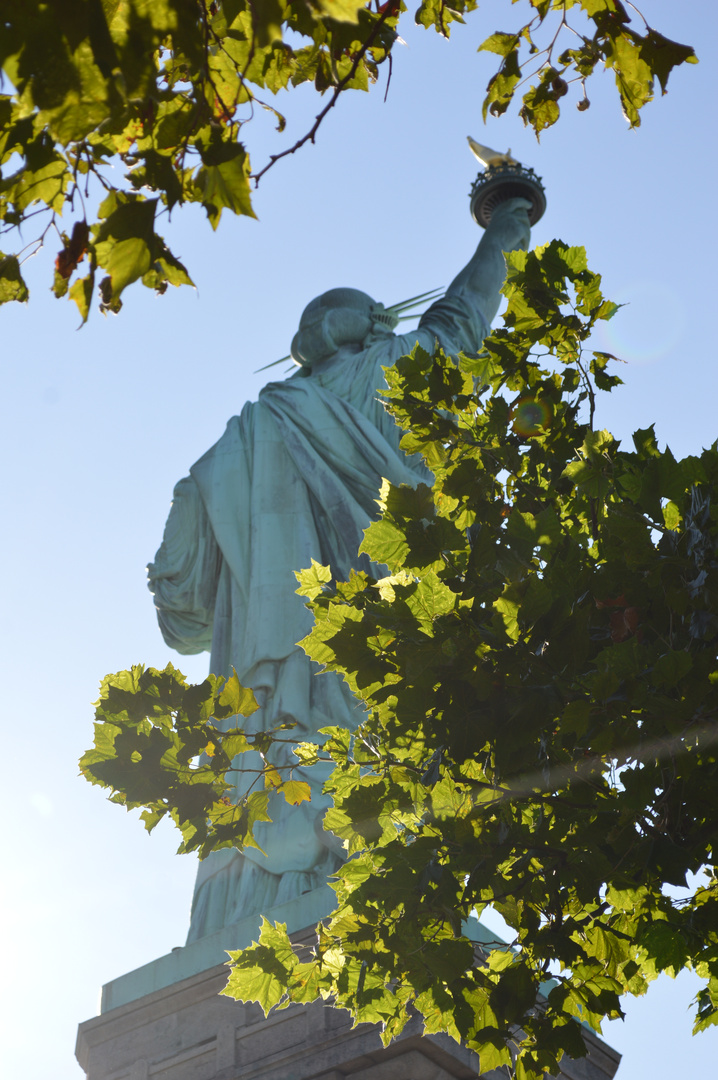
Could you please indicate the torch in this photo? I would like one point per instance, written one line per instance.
(503, 178)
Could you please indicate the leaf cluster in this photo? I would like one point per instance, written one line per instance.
(140, 106)
(600, 35)
(540, 672)
(167, 746)
(161, 88)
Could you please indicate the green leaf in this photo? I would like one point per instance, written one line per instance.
(493, 1056)
(671, 668)
(237, 699)
(540, 108)
(46, 183)
(307, 753)
(223, 181)
(500, 43)
(81, 292)
(633, 75)
(508, 611)
(125, 242)
(672, 516)
(313, 580)
(262, 972)
(662, 55)
(501, 87)
(707, 1001)
(296, 791)
(385, 543)
(666, 948)
(428, 600)
(341, 10)
(12, 285)
(514, 993)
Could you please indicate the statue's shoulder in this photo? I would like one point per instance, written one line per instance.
(238, 432)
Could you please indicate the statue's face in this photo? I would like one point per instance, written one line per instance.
(338, 317)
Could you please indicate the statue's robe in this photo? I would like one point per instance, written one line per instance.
(295, 477)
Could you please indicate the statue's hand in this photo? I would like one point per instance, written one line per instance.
(510, 226)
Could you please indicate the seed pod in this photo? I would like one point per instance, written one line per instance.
(559, 86)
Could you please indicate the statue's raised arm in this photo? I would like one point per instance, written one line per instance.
(461, 319)
(483, 276)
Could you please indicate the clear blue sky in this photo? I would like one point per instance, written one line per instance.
(98, 425)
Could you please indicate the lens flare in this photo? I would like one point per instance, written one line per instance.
(530, 416)
(649, 327)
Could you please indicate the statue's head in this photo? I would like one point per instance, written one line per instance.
(338, 317)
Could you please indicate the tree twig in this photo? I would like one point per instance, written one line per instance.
(311, 134)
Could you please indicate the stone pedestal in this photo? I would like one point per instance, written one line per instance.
(189, 1032)
(167, 1021)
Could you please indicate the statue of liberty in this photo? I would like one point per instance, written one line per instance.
(295, 477)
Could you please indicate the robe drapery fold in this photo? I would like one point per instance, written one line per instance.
(295, 477)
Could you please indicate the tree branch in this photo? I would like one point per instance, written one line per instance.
(311, 134)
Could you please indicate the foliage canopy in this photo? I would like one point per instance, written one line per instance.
(117, 111)
(540, 673)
